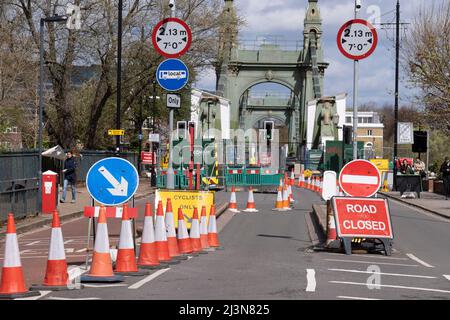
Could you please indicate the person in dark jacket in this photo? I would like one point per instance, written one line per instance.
(69, 177)
(445, 169)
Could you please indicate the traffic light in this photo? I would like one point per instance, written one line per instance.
(181, 130)
(269, 126)
(348, 134)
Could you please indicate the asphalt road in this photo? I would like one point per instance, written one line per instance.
(269, 255)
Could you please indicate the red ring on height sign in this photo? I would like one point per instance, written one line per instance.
(372, 29)
(155, 43)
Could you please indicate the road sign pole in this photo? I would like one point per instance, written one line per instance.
(170, 173)
(355, 109)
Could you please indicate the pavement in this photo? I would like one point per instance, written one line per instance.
(428, 201)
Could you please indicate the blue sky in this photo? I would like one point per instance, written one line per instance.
(284, 18)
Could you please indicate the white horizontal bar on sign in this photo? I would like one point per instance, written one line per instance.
(351, 178)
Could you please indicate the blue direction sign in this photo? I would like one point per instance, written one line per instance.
(112, 181)
(172, 74)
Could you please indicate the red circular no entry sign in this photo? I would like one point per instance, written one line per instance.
(360, 178)
(357, 39)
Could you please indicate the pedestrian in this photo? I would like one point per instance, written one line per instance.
(419, 167)
(445, 169)
(69, 177)
(405, 168)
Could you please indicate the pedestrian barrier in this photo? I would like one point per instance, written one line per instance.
(254, 176)
(13, 283)
(181, 180)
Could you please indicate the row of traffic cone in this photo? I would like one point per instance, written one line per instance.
(157, 249)
(284, 194)
(251, 207)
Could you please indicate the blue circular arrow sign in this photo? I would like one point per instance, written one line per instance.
(112, 181)
(172, 74)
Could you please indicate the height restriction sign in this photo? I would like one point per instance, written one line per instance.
(171, 37)
(357, 39)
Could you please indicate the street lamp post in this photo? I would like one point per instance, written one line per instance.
(41, 92)
(119, 72)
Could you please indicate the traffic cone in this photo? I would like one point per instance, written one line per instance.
(195, 233)
(213, 237)
(101, 266)
(204, 229)
(331, 233)
(13, 284)
(279, 202)
(233, 205)
(308, 185)
(184, 242)
(251, 202)
(161, 237)
(56, 276)
(286, 201)
(291, 196)
(172, 241)
(148, 253)
(292, 180)
(320, 185)
(126, 258)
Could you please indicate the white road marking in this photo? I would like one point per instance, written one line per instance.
(311, 279)
(33, 243)
(413, 257)
(70, 250)
(139, 284)
(384, 273)
(353, 178)
(61, 298)
(75, 271)
(104, 285)
(374, 262)
(69, 241)
(447, 276)
(392, 286)
(26, 251)
(356, 298)
(42, 294)
(81, 250)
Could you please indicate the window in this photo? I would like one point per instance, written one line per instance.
(369, 132)
(348, 119)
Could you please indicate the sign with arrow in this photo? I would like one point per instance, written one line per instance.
(112, 181)
(172, 37)
(357, 39)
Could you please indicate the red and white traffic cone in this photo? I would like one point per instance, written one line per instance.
(148, 253)
(320, 185)
(292, 178)
(233, 204)
(279, 202)
(332, 241)
(251, 202)
(308, 185)
(161, 237)
(184, 242)
(290, 194)
(213, 237)
(101, 266)
(13, 283)
(195, 233)
(172, 242)
(204, 230)
(126, 256)
(286, 201)
(56, 276)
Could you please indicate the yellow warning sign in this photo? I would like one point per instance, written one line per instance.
(381, 164)
(186, 200)
(113, 132)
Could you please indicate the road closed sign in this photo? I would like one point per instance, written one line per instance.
(362, 218)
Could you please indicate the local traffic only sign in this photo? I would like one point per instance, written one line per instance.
(360, 178)
(357, 39)
(112, 181)
(172, 75)
(363, 218)
(172, 37)
(173, 101)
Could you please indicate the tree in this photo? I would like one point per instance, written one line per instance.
(427, 59)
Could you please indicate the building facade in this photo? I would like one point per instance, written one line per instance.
(370, 131)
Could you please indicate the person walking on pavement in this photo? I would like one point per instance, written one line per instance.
(69, 177)
(445, 169)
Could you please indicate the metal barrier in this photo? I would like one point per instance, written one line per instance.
(255, 176)
(19, 197)
(181, 180)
